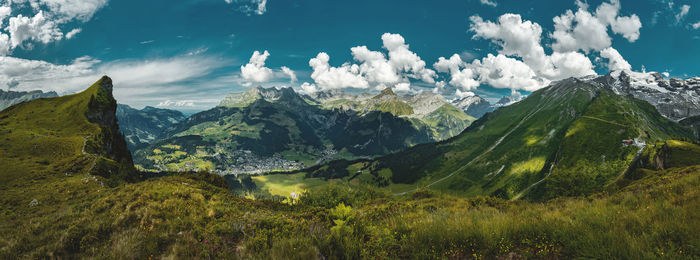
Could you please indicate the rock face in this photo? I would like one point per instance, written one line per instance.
(109, 142)
(674, 98)
(475, 106)
(9, 98)
(142, 127)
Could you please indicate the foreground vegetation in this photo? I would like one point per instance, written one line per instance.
(195, 215)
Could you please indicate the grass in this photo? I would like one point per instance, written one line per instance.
(286, 184)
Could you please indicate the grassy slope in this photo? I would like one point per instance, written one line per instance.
(508, 151)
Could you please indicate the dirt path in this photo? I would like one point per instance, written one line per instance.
(605, 121)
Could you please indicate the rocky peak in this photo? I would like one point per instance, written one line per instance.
(387, 92)
(674, 98)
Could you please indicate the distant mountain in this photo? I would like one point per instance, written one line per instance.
(9, 98)
(65, 135)
(142, 127)
(425, 109)
(277, 129)
(563, 140)
(475, 106)
(674, 98)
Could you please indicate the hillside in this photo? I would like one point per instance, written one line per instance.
(142, 127)
(60, 136)
(64, 197)
(9, 98)
(567, 137)
(262, 130)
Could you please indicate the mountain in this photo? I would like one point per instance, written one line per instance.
(475, 106)
(277, 129)
(674, 98)
(693, 123)
(9, 98)
(423, 110)
(141, 127)
(52, 137)
(563, 140)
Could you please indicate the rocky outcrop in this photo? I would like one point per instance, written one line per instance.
(108, 143)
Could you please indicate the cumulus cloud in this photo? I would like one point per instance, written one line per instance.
(255, 71)
(489, 3)
(504, 72)
(517, 38)
(308, 88)
(615, 60)
(249, 7)
(290, 73)
(327, 77)
(588, 31)
(46, 22)
(375, 69)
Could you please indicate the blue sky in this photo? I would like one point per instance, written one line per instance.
(188, 54)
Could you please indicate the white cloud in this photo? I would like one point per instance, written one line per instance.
(73, 32)
(308, 88)
(4, 44)
(615, 60)
(504, 72)
(255, 71)
(327, 77)
(405, 60)
(37, 28)
(489, 3)
(44, 25)
(461, 76)
(696, 25)
(136, 82)
(290, 73)
(403, 87)
(587, 31)
(5, 11)
(522, 39)
(684, 11)
(258, 7)
(374, 69)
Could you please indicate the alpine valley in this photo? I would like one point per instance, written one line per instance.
(262, 130)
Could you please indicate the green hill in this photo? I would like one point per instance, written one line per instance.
(568, 135)
(57, 136)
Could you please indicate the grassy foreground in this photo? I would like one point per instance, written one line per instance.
(195, 216)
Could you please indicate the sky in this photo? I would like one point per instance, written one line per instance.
(189, 54)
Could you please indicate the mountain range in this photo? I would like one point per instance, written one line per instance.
(599, 175)
(9, 98)
(142, 127)
(563, 140)
(278, 129)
